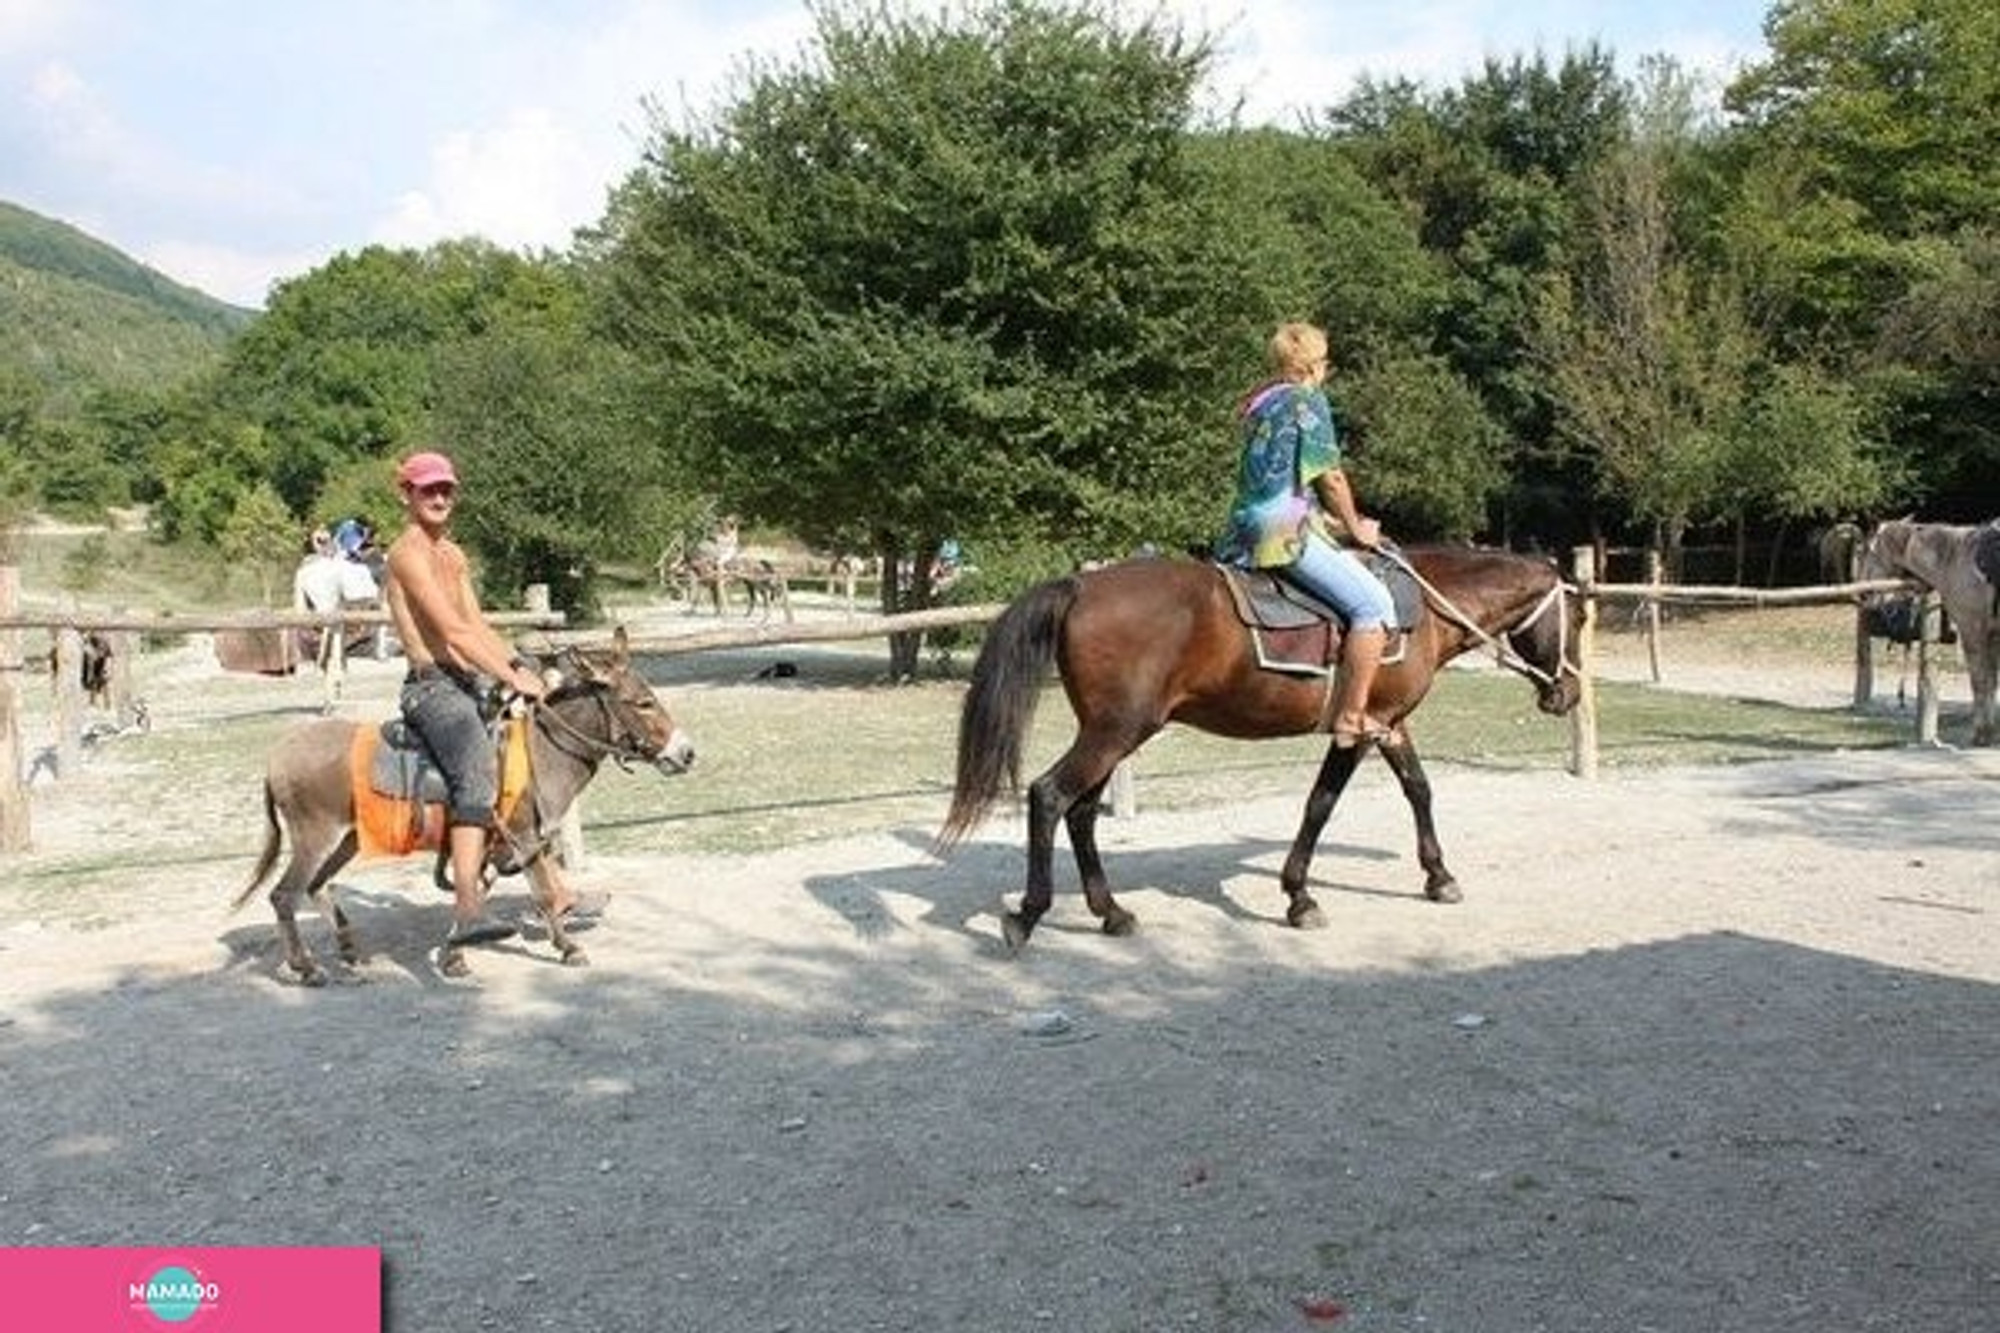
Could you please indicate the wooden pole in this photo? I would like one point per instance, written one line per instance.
(1930, 629)
(1655, 575)
(1864, 660)
(1583, 718)
(14, 824)
(1123, 790)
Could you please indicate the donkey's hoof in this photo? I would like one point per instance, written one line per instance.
(448, 962)
(1120, 922)
(575, 956)
(1016, 928)
(1444, 890)
(311, 974)
(1305, 915)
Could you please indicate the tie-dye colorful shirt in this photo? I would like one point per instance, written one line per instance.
(1288, 442)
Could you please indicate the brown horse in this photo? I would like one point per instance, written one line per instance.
(601, 709)
(1148, 642)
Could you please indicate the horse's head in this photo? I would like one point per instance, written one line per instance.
(1544, 641)
(1885, 555)
(603, 699)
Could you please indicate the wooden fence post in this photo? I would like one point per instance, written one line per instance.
(14, 825)
(1864, 660)
(1583, 718)
(1655, 575)
(1930, 630)
(1123, 790)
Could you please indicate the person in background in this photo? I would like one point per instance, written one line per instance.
(316, 589)
(1292, 496)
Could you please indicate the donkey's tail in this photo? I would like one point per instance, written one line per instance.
(1000, 703)
(269, 857)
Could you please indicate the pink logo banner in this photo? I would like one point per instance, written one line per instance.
(200, 1289)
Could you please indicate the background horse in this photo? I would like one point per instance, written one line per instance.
(601, 709)
(1148, 642)
(1947, 558)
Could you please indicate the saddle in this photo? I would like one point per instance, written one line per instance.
(1986, 556)
(1296, 632)
(399, 791)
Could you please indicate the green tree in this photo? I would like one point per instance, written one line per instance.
(547, 429)
(1428, 455)
(1865, 151)
(1647, 362)
(948, 276)
(1493, 173)
(262, 537)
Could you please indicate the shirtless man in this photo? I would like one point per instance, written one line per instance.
(450, 648)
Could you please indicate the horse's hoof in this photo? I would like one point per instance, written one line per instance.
(310, 975)
(1305, 916)
(1119, 922)
(1016, 929)
(1444, 891)
(575, 956)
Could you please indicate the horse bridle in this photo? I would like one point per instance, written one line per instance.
(1503, 652)
(624, 747)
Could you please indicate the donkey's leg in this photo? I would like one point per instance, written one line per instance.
(544, 879)
(1334, 772)
(320, 890)
(1082, 824)
(314, 861)
(1440, 886)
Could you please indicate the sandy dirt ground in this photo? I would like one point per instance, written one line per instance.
(1701, 1050)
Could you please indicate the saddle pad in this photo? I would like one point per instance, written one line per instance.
(1265, 597)
(399, 792)
(1295, 632)
(388, 823)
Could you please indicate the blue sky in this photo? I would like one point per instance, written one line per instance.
(231, 143)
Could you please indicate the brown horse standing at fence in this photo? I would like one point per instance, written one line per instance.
(1962, 565)
(600, 710)
(1148, 642)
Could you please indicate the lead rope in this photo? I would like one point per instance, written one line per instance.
(551, 721)
(1503, 654)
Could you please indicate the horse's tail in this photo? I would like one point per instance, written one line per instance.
(1000, 703)
(269, 857)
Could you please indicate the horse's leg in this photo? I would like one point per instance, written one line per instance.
(1082, 824)
(1984, 671)
(1440, 886)
(1334, 771)
(1081, 771)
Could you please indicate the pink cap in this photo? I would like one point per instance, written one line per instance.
(426, 469)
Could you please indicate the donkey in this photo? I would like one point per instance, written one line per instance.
(321, 780)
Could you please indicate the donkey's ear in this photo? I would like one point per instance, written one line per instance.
(621, 648)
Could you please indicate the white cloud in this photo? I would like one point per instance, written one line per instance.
(517, 184)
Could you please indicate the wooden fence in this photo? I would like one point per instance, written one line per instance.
(1648, 598)
(67, 632)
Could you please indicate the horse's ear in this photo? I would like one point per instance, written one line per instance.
(621, 647)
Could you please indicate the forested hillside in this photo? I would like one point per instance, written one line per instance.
(78, 315)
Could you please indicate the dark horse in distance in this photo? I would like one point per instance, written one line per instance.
(1152, 641)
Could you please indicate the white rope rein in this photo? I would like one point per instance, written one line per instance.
(1503, 653)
